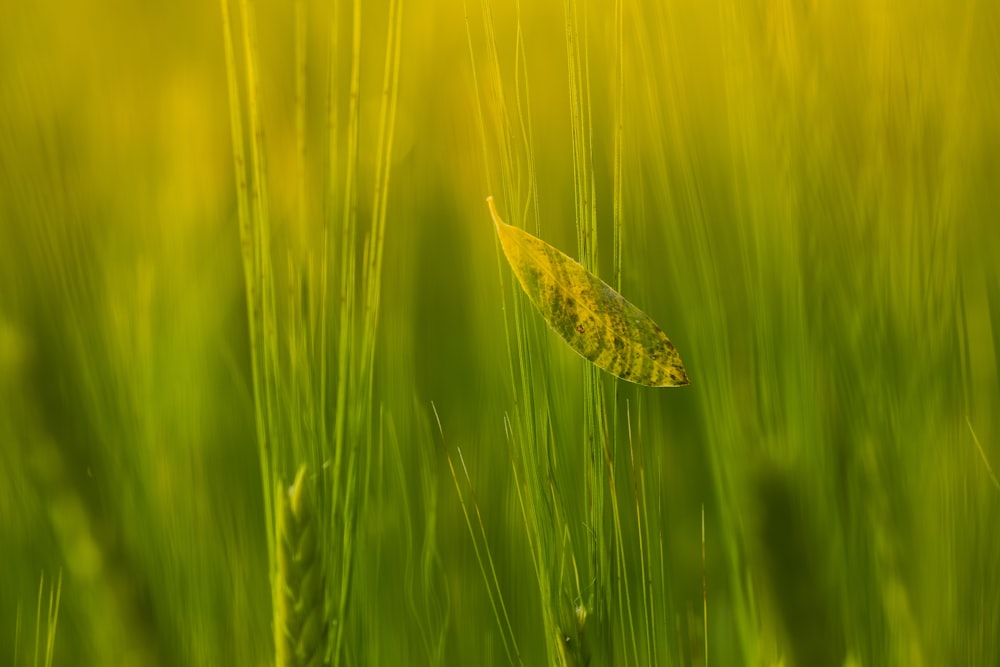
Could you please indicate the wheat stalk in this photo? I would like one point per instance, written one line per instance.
(300, 621)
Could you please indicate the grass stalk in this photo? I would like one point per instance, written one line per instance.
(249, 245)
(478, 534)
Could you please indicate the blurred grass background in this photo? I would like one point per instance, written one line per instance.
(809, 207)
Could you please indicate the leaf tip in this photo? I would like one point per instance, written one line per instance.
(493, 211)
(681, 379)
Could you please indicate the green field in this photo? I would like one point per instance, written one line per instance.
(248, 238)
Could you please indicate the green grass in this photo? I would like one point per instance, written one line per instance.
(233, 248)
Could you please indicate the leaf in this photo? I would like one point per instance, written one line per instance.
(593, 318)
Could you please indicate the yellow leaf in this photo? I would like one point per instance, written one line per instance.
(593, 318)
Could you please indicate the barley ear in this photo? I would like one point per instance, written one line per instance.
(299, 619)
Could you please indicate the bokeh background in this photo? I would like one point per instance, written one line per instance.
(809, 206)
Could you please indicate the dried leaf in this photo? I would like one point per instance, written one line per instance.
(593, 318)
